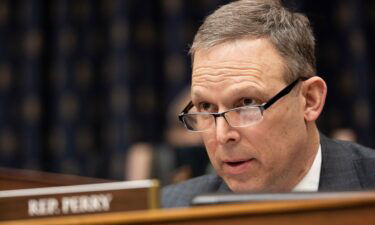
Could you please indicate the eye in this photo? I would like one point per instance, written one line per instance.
(206, 107)
(246, 102)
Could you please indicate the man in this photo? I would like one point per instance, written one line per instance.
(255, 98)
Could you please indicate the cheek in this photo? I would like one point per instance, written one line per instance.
(209, 141)
(273, 137)
(278, 136)
(281, 122)
(208, 138)
(263, 144)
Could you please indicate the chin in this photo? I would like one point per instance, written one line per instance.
(239, 186)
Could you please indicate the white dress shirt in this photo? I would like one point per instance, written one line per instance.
(311, 180)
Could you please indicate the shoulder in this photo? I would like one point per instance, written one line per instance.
(180, 195)
(352, 161)
(356, 151)
(364, 161)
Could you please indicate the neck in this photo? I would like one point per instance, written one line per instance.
(312, 146)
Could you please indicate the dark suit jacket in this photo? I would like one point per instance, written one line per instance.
(346, 166)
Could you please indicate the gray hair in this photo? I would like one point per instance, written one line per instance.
(289, 32)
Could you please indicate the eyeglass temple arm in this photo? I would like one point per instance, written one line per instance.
(188, 107)
(185, 110)
(283, 92)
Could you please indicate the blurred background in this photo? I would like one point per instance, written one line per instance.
(82, 81)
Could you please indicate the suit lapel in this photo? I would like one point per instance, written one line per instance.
(223, 187)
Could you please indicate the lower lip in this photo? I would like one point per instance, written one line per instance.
(237, 168)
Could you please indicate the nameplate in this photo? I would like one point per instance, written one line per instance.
(79, 199)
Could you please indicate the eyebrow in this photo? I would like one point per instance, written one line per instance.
(250, 92)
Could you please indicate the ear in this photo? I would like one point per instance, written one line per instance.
(314, 91)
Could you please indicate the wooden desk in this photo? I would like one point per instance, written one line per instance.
(11, 179)
(341, 211)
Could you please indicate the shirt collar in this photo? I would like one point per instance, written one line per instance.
(311, 180)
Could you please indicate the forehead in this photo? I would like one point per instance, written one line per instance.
(235, 64)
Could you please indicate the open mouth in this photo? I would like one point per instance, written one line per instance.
(237, 167)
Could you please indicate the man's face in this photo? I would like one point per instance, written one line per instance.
(268, 156)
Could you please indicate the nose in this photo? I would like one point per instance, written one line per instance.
(225, 133)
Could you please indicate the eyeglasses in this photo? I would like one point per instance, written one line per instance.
(238, 117)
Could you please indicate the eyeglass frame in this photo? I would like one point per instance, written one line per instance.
(262, 107)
